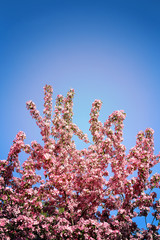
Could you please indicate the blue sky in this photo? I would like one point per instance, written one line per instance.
(106, 50)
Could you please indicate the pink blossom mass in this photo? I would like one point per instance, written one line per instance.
(79, 194)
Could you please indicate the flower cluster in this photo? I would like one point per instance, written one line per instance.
(66, 204)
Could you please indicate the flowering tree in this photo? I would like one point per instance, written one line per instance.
(66, 203)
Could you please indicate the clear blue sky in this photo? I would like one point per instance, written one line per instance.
(108, 50)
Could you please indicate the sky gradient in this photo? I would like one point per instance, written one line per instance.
(107, 50)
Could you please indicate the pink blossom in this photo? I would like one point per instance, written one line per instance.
(66, 203)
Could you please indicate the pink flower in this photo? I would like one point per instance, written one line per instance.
(2, 222)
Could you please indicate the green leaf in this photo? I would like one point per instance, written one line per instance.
(61, 210)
